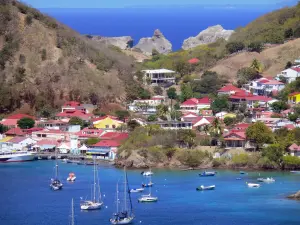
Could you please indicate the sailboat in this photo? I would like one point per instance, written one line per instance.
(55, 182)
(125, 215)
(72, 222)
(96, 202)
(149, 197)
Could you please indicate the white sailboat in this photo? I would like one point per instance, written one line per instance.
(124, 216)
(55, 182)
(95, 202)
(149, 197)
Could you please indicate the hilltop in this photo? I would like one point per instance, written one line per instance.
(43, 63)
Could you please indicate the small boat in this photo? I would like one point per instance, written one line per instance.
(238, 178)
(266, 180)
(150, 184)
(206, 188)
(95, 202)
(90, 163)
(147, 173)
(65, 160)
(81, 163)
(253, 185)
(55, 184)
(207, 174)
(71, 177)
(124, 215)
(148, 198)
(294, 171)
(242, 172)
(136, 190)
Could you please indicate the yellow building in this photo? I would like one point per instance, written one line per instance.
(294, 98)
(107, 122)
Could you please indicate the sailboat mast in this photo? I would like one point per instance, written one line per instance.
(56, 165)
(94, 180)
(118, 197)
(72, 216)
(150, 185)
(125, 190)
(128, 190)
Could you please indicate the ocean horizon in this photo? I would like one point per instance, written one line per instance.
(177, 24)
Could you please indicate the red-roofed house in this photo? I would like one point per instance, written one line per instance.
(229, 90)
(241, 126)
(12, 121)
(46, 144)
(48, 134)
(290, 74)
(15, 132)
(264, 86)
(193, 61)
(195, 105)
(119, 136)
(235, 139)
(87, 133)
(18, 143)
(67, 114)
(202, 121)
(294, 150)
(106, 149)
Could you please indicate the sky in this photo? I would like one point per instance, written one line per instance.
(146, 3)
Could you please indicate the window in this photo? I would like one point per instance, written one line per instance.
(114, 126)
(39, 135)
(106, 126)
(44, 135)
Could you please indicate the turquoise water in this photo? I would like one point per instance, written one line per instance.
(27, 200)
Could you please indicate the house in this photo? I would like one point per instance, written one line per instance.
(202, 121)
(49, 134)
(229, 90)
(174, 125)
(195, 105)
(67, 114)
(87, 133)
(159, 76)
(73, 105)
(107, 122)
(264, 86)
(251, 101)
(235, 139)
(120, 136)
(46, 144)
(290, 74)
(17, 143)
(12, 121)
(294, 150)
(54, 124)
(146, 106)
(105, 149)
(294, 98)
(15, 132)
(189, 116)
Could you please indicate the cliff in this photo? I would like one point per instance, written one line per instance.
(123, 43)
(158, 42)
(210, 35)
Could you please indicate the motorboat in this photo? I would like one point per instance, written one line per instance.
(294, 171)
(207, 174)
(16, 156)
(147, 173)
(206, 188)
(253, 185)
(90, 205)
(242, 172)
(150, 184)
(266, 180)
(136, 190)
(71, 177)
(148, 198)
(66, 160)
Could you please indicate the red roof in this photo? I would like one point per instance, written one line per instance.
(9, 122)
(86, 132)
(107, 143)
(15, 132)
(74, 113)
(115, 135)
(47, 142)
(259, 98)
(238, 136)
(242, 126)
(290, 126)
(17, 139)
(229, 88)
(296, 69)
(190, 114)
(294, 93)
(29, 131)
(294, 147)
(241, 95)
(274, 82)
(195, 101)
(19, 116)
(72, 103)
(193, 61)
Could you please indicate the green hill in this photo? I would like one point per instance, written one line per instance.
(43, 63)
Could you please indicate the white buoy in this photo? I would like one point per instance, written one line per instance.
(140, 221)
(106, 207)
(104, 196)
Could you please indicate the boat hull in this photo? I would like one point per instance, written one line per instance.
(92, 206)
(148, 199)
(122, 221)
(209, 188)
(17, 158)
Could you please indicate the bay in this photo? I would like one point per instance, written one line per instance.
(27, 199)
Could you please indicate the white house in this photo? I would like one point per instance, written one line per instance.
(159, 76)
(194, 105)
(290, 74)
(264, 86)
(146, 106)
(50, 135)
(294, 150)
(17, 143)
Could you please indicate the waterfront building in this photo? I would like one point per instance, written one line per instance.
(294, 150)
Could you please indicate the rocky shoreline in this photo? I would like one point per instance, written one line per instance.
(295, 196)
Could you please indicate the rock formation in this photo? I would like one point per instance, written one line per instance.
(295, 196)
(210, 35)
(123, 43)
(158, 42)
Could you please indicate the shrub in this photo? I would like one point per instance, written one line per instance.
(219, 162)
(22, 59)
(255, 47)
(291, 162)
(44, 54)
(26, 123)
(240, 160)
(233, 47)
(28, 20)
(192, 158)
(152, 118)
(92, 141)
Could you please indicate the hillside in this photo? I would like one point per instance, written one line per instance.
(274, 60)
(43, 63)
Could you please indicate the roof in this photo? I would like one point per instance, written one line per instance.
(107, 116)
(115, 135)
(240, 135)
(9, 122)
(107, 143)
(19, 116)
(294, 93)
(6, 139)
(17, 139)
(74, 113)
(50, 131)
(210, 119)
(259, 98)
(189, 114)
(242, 126)
(86, 132)
(296, 69)
(290, 126)
(159, 71)
(72, 103)
(193, 61)
(195, 101)
(15, 131)
(229, 88)
(294, 147)
(274, 82)
(47, 142)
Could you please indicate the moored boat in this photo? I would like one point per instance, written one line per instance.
(295, 171)
(56, 184)
(71, 177)
(242, 172)
(266, 180)
(147, 173)
(136, 190)
(148, 198)
(253, 185)
(150, 184)
(207, 174)
(205, 188)
(16, 156)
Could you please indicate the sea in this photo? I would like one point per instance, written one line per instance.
(26, 198)
(175, 23)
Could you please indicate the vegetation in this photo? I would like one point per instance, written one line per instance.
(220, 104)
(233, 47)
(26, 123)
(92, 141)
(246, 74)
(76, 121)
(260, 134)
(279, 106)
(122, 114)
(3, 129)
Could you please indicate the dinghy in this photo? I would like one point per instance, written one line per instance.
(253, 185)
(206, 188)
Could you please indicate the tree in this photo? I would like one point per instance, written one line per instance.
(186, 92)
(216, 129)
(288, 65)
(279, 106)
(229, 121)
(155, 55)
(288, 33)
(158, 90)
(3, 128)
(210, 82)
(257, 66)
(233, 47)
(255, 47)
(152, 118)
(171, 92)
(220, 104)
(182, 67)
(246, 74)
(274, 153)
(161, 111)
(132, 124)
(92, 141)
(176, 115)
(260, 134)
(122, 114)
(26, 123)
(186, 137)
(76, 121)
(293, 117)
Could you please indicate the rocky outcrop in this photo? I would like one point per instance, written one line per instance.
(295, 196)
(123, 43)
(158, 42)
(210, 35)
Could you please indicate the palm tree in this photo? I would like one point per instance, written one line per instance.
(257, 66)
(216, 129)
